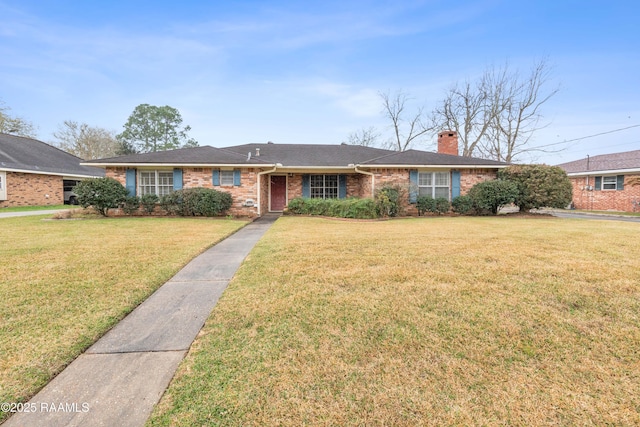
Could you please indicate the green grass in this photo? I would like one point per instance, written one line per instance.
(36, 208)
(431, 321)
(65, 283)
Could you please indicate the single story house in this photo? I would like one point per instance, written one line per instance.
(264, 177)
(606, 182)
(33, 173)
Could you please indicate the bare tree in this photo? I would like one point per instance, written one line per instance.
(406, 127)
(496, 116)
(85, 141)
(365, 137)
(15, 125)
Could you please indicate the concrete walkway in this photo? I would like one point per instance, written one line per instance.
(31, 213)
(121, 377)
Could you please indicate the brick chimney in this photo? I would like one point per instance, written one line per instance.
(448, 142)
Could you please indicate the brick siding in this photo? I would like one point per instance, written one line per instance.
(29, 189)
(625, 200)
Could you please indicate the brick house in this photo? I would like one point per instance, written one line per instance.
(606, 182)
(33, 173)
(264, 177)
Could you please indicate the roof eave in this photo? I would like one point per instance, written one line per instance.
(171, 165)
(44, 172)
(434, 166)
(605, 172)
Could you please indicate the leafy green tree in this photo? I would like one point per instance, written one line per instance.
(101, 193)
(539, 186)
(151, 128)
(15, 125)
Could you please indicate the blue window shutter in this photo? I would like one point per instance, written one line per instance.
(342, 186)
(306, 186)
(413, 189)
(598, 185)
(455, 184)
(236, 177)
(620, 182)
(177, 179)
(131, 182)
(216, 178)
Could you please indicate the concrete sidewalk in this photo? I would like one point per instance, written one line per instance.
(121, 377)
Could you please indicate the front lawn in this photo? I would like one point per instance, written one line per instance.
(429, 321)
(65, 283)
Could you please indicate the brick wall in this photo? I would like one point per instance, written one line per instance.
(471, 177)
(29, 189)
(626, 200)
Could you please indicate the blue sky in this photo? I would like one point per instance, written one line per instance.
(310, 72)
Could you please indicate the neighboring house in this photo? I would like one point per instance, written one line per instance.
(33, 173)
(265, 177)
(606, 182)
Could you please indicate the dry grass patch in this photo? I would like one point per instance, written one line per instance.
(65, 283)
(439, 321)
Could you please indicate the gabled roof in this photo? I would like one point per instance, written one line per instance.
(20, 154)
(427, 158)
(205, 155)
(625, 161)
(310, 155)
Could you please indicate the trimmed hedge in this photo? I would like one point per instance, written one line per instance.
(196, 202)
(439, 205)
(340, 208)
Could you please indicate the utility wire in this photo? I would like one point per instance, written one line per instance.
(588, 136)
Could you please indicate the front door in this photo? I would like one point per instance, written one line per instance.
(278, 193)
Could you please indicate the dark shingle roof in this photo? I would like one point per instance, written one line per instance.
(340, 155)
(604, 162)
(420, 158)
(193, 155)
(31, 155)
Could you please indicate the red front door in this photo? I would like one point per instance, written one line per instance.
(278, 193)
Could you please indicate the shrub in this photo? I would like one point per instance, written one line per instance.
(539, 186)
(196, 202)
(130, 204)
(462, 205)
(149, 202)
(389, 201)
(490, 196)
(100, 193)
(441, 205)
(425, 204)
(339, 208)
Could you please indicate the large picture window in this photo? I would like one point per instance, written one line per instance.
(323, 186)
(159, 183)
(434, 184)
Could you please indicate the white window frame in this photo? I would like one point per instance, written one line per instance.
(162, 182)
(614, 183)
(226, 178)
(3, 185)
(431, 181)
(322, 186)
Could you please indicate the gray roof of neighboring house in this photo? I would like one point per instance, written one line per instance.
(296, 155)
(604, 162)
(30, 155)
(417, 157)
(194, 155)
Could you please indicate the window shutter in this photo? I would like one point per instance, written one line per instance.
(342, 186)
(620, 182)
(236, 177)
(598, 185)
(177, 179)
(216, 178)
(306, 186)
(455, 184)
(131, 182)
(413, 189)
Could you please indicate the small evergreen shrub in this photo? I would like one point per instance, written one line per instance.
(196, 202)
(149, 202)
(425, 204)
(389, 201)
(441, 205)
(101, 193)
(130, 204)
(462, 205)
(490, 196)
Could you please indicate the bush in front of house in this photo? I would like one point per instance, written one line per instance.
(100, 193)
(149, 202)
(439, 205)
(389, 201)
(339, 208)
(130, 204)
(462, 205)
(490, 196)
(196, 202)
(539, 186)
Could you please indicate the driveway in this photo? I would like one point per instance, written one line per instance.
(582, 215)
(29, 213)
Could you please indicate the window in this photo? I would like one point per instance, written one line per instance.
(609, 182)
(433, 184)
(159, 183)
(3, 190)
(323, 186)
(226, 178)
